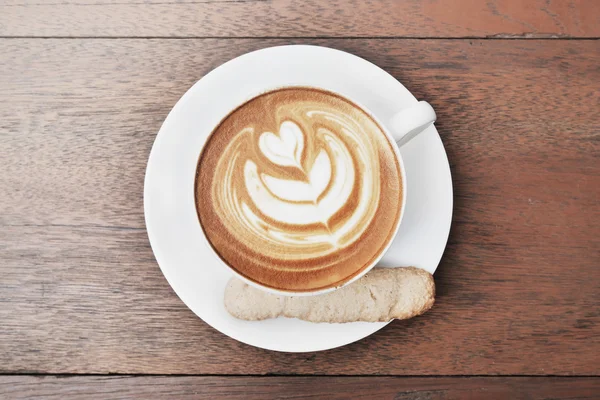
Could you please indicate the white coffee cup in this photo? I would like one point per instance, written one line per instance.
(404, 125)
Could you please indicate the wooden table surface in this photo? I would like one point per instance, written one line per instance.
(84, 308)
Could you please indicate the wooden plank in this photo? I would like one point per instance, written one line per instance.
(81, 292)
(309, 18)
(194, 387)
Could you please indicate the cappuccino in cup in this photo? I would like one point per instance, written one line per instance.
(299, 190)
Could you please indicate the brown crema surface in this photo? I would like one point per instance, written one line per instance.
(298, 189)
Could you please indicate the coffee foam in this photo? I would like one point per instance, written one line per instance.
(298, 189)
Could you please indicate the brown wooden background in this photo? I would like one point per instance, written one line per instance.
(84, 309)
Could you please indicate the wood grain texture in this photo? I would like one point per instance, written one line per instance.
(517, 288)
(247, 388)
(309, 18)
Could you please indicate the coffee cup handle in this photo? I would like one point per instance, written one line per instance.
(411, 121)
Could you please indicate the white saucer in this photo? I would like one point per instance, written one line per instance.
(189, 264)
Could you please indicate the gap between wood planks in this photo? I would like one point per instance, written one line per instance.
(274, 375)
(498, 36)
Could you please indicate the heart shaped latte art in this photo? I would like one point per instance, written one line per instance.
(301, 202)
(285, 149)
(303, 193)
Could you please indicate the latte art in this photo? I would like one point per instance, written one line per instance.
(289, 194)
(289, 188)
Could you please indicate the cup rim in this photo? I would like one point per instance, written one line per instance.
(365, 270)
